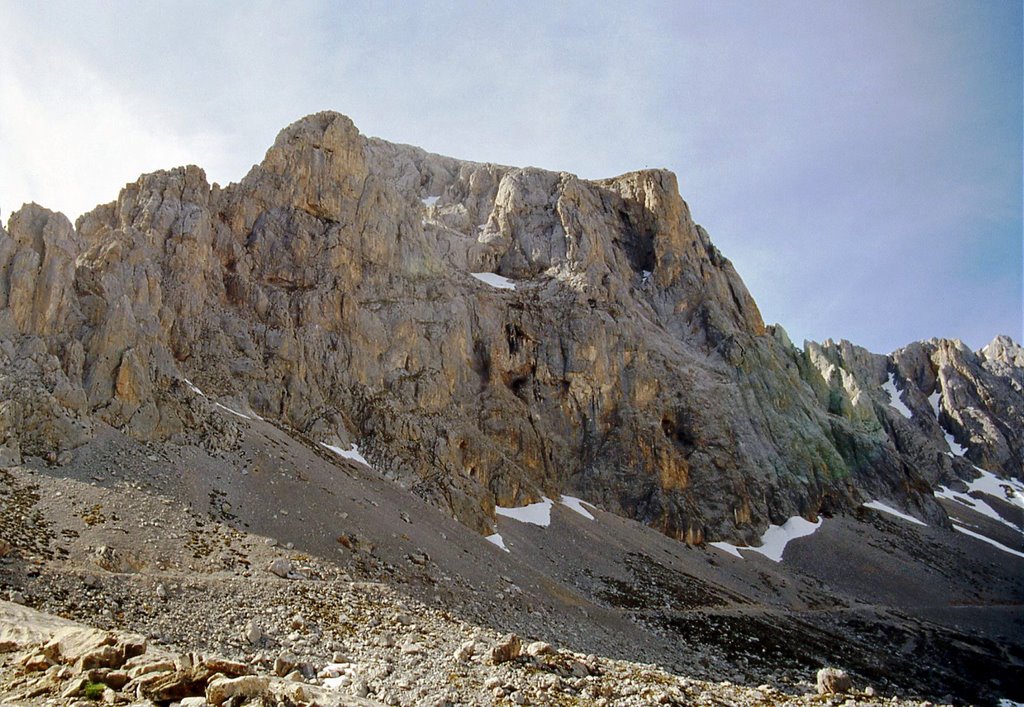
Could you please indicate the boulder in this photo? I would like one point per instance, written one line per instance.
(465, 651)
(833, 681)
(282, 567)
(539, 648)
(220, 690)
(506, 649)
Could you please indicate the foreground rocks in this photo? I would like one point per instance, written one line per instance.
(50, 660)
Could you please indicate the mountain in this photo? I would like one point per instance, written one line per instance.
(479, 339)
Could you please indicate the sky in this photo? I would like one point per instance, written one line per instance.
(859, 162)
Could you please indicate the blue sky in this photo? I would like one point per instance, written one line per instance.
(860, 162)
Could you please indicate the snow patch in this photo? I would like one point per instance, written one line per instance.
(954, 447)
(728, 547)
(497, 540)
(935, 400)
(352, 454)
(1009, 490)
(234, 412)
(990, 541)
(879, 506)
(494, 280)
(895, 401)
(775, 539)
(430, 200)
(576, 504)
(244, 416)
(536, 513)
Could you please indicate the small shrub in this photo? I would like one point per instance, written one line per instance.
(93, 691)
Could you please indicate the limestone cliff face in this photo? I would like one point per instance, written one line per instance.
(331, 291)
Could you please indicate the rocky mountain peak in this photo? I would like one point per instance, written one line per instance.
(488, 334)
(265, 420)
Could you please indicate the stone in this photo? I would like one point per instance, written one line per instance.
(252, 633)
(246, 687)
(833, 681)
(579, 669)
(539, 648)
(150, 666)
(284, 663)
(228, 668)
(282, 567)
(506, 649)
(412, 648)
(36, 662)
(109, 656)
(465, 651)
(74, 687)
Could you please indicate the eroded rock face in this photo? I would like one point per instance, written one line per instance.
(331, 291)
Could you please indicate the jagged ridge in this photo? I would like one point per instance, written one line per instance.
(330, 291)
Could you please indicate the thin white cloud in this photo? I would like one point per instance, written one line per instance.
(70, 141)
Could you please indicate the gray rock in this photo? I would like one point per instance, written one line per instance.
(833, 681)
(248, 686)
(282, 567)
(539, 648)
(252, 633)
(465, 651)
(506, 649)
(285, 663)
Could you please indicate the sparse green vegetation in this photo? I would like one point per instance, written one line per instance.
(93, 691)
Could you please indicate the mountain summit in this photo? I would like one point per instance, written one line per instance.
(486, 334)
(361, 343)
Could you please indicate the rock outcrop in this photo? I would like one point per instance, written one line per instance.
(332, 290)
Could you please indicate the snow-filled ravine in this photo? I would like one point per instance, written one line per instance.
(775, 539)
(955, 448)
(895, 401)
(1009, 490)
